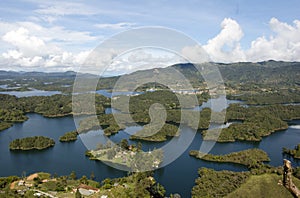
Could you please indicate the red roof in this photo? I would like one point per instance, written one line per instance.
(87, 187)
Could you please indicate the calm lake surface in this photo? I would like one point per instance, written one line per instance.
(177, 177)
(33, 92)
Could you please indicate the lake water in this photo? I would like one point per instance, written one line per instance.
(218, 102)
(109, 94)
(33, 92)
(178, 176)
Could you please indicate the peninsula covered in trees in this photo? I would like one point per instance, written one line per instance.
(130, 156)
(249, 158)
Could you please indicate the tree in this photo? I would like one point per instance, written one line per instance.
(111, 154)
(83, 180)
(124, 144)
(100, 146)
(139, 146)
(73, 175)
(24, 175)
(77, 194)
(37, 181)
(92, 176)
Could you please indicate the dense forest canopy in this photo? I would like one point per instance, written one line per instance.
(29, 143)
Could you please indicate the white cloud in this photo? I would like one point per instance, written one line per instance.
(283, 45)
(62, 8)
(141, 59)
(25, 43)
(195, 54)
(115, 26)
(31, 46)
(225, 47)
(55, 34)
(14, 54)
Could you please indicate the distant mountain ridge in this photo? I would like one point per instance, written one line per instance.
(267, 72)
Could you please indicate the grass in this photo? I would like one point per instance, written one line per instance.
(265, 185)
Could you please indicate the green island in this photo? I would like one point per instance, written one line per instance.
(31, 143)
(130, 156)
(69, 136)
(47, 185)
(249, 157)
(293, 152)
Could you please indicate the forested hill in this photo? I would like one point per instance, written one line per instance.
(268, 72)
(14, 74)
(262, 74)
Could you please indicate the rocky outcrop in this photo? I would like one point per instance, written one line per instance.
(287, 178)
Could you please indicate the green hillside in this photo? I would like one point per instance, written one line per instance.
(263, 186)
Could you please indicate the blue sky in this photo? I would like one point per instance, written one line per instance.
(58, 35)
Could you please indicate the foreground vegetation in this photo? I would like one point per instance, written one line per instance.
(213, 183)
(265, 185)
(31, 143)
(254, 183)
(134, 185)
(249, 158)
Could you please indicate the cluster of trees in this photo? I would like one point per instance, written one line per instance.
(211, 183)
(143, 102)
(69, 136)
(257, 122)
(168, 130)
(4, 125)
(293, 152)
(29, 143)
(270, 97)
(250, 157)
(50, 106)
(140, 184)
(13, 109)
(7, 115)
(139, 108)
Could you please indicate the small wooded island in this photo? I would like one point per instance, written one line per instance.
(31, 143)
(69, 136)
(293, 152)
